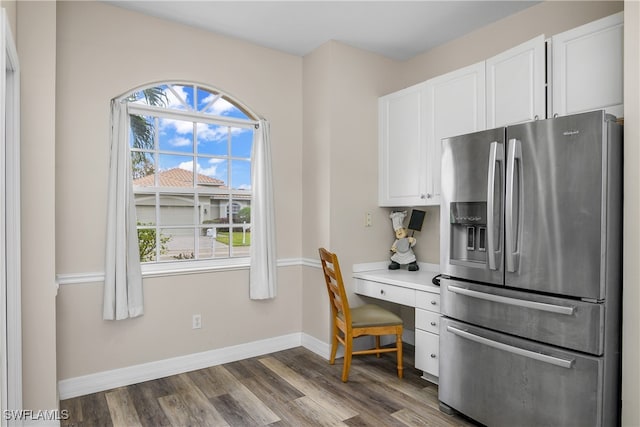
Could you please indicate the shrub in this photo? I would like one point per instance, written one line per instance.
(147, 243)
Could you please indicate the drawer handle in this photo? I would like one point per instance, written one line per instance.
(381, 291)
(433, 323)
(534, 305)
(433, 355)
(557, 361)
(434, 303)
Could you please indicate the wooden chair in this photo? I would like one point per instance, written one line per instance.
(350, 323)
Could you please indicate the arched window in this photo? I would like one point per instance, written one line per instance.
(191, 149)
(180, 154)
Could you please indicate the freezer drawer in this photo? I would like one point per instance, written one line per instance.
(567, 323)
(510, 381)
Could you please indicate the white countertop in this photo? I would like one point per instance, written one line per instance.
(379, 272)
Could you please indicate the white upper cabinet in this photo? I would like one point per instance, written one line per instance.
(587, 68)
(516, 84)
(413, 122)
(455, 106)
(402, 153)
(509, 88)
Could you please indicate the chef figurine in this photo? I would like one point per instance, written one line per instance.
(401, 248)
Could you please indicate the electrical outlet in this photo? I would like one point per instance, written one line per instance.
(196, 321)
(368, 222)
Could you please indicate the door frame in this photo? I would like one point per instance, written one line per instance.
(11, 324)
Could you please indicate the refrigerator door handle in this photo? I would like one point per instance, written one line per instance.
(496, 156)
(512, 201)
(541, 306)
(563, 363)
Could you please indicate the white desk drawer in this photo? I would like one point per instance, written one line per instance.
(428, 321)
(428, 301)
(397, 294)
(427, 352)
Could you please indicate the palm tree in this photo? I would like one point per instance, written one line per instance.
(142, 130)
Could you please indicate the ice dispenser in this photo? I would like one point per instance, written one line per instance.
(469, 231)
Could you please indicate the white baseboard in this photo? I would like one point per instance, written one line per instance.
(313, 344)
(107, 380)
(101, 381)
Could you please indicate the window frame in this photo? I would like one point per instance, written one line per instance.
(170, 267)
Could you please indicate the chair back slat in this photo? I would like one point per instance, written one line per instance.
(335, 285)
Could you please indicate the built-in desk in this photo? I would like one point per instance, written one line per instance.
(413, 289)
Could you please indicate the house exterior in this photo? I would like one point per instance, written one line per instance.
(323, 114)
(214, 205)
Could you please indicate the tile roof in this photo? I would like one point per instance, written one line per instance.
(177, 177)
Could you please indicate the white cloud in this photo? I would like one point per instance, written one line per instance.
(206, 132)
(211, 170)
(180, 142)
(176, 102)
(180, 127)
(218, 108)
(186, 166)
(209, 132)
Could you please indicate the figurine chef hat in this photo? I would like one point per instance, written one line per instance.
(397, 218)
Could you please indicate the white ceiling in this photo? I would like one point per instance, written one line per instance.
(395, 29)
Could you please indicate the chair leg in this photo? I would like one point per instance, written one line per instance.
(348, 349)
(378, 355)
(334, 346)
(399, 353)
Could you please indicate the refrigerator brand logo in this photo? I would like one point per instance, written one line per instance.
(570, 132)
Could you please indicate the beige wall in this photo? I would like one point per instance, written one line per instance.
(341, 89)
(103, 52)
(631, 269)
(316, 208)
(548, 18)
(37, 56)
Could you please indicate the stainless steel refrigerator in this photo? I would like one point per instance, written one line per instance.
(531, 222)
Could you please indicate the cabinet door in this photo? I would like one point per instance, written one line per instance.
(587, 68)
(455, 106)
(516, 84)
(401, 155)
(427, 352)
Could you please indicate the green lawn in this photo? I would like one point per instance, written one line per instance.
(223, 237)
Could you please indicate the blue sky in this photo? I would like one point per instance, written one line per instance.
(177, 137)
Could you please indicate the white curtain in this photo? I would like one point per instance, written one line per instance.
(123, 277)
(262, 279)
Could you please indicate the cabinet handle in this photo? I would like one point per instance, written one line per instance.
(433, 323)
(434, 302)
(381, 291)
(433, 356)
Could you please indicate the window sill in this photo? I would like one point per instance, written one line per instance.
(180, 268)
(193, 267)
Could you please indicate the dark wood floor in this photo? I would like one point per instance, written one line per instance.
(289, 388)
